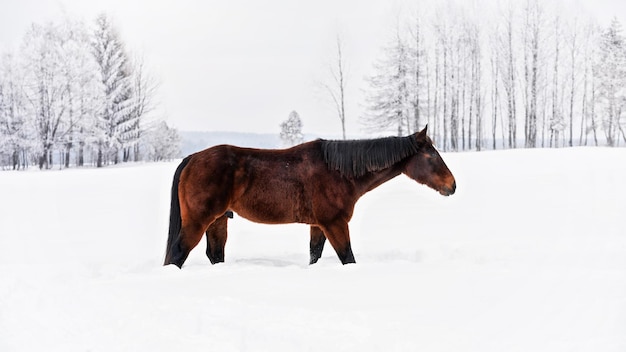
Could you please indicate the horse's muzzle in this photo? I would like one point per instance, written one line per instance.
(447, 191)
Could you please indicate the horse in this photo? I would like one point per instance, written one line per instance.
(316, 183)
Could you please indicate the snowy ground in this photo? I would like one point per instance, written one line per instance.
(529, 255)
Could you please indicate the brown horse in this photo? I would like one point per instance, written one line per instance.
(315, 183)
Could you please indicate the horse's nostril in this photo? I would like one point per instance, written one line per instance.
(449, 190)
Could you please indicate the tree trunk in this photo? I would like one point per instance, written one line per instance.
(81, 154)
(68, 147)
(494, 102)
(99, 162)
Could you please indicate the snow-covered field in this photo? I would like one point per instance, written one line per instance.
(528, 255)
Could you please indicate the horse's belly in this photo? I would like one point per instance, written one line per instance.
(277, 207)
(270, 216)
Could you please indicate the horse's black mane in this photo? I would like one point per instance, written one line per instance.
(355, 158)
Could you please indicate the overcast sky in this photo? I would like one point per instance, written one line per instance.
(244, 65)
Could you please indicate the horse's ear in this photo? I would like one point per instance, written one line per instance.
(422, 134)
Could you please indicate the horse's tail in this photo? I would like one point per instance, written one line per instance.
(175, 218)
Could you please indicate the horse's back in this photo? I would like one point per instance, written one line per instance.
(262, 185)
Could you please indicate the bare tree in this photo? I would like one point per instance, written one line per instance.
(534, 20)
(15, 136)
(444, 75)
(495, 96)
(83, 94)
(144, 88)
(509, 74)
(574, 51)
(417, 54)
(455, 54)
(45, 91)
(338, 89)
(556, 122)
(588, 99)
(476, 95)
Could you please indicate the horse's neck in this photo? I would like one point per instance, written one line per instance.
(372, 180)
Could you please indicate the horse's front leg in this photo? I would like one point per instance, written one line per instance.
(317, 244)
(216, 235)
(339, 237)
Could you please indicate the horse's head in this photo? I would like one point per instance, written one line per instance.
(428, 168)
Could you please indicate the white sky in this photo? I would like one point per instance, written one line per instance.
(244, 65)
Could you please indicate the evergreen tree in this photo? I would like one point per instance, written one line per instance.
(389, 102)
(611, 74)
(118, 125)
(291, 130)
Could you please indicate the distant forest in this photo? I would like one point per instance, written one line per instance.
(73, 96)
(525, 74)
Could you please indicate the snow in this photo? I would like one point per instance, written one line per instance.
(528, 255)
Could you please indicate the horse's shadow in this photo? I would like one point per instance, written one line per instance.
(272, 262)
(299, 261)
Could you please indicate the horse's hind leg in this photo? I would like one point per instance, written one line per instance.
(317, 244)
(216, 236)
(189, 236)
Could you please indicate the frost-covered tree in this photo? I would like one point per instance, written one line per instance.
(509, 76)
(610, 72)
(45, 88)
(144, 90)
(72, 96)
(557, 121)
(15, 138)
(446, 59)
(587, 121)
(61, 89)
(532, 34)
(161, 142)
(545, 71)
(417, 73)
(84, 96)
(389, 100)
(291, 130)
(118, 125)
(494, 60)
(476, 121)
(51, 92)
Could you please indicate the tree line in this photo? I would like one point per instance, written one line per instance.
(526, 74)
(72, 96)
